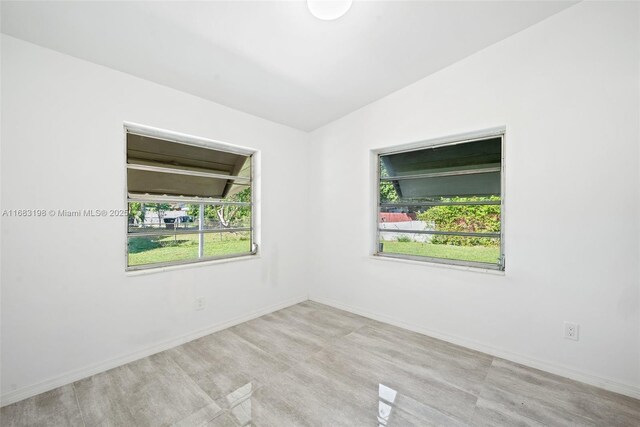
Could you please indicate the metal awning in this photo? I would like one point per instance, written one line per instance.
(466, 169)
(159, 167)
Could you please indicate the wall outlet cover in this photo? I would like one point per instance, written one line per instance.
(571, 331)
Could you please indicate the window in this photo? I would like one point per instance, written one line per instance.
(443, 202)
(189, 200)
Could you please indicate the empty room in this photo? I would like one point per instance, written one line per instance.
(320, 213)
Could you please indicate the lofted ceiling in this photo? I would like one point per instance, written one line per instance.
(273, 59)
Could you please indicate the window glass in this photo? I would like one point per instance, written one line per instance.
(443, 203)
(186, 203)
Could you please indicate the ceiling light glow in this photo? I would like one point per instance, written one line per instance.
(328, 10)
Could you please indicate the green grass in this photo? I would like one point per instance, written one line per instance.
(152, 250)
(489, 254)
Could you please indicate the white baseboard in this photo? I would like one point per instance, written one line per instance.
(87, 371)
(553, 368)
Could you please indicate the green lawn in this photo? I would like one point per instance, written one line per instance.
(151, 250)
(488, 254)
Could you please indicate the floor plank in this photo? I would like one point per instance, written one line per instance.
(153, 391)
(57, 407)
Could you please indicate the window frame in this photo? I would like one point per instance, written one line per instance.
(463, 138)
(179, 138)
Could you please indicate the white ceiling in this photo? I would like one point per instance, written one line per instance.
(274, 59)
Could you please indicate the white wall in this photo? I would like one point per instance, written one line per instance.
(567, 92)
(68, 307)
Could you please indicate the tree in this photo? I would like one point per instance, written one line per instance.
(388, 192)
(136, 213)
(194, 210)
(227, 215)
(160, 209)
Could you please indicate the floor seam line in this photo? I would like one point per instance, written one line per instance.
(75, 394)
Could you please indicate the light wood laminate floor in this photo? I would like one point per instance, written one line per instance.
(312, 365)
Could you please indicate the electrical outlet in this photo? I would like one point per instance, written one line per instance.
(200, 303)
(571, 331)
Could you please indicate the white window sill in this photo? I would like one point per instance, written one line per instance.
(197, 264)
(427, 263)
